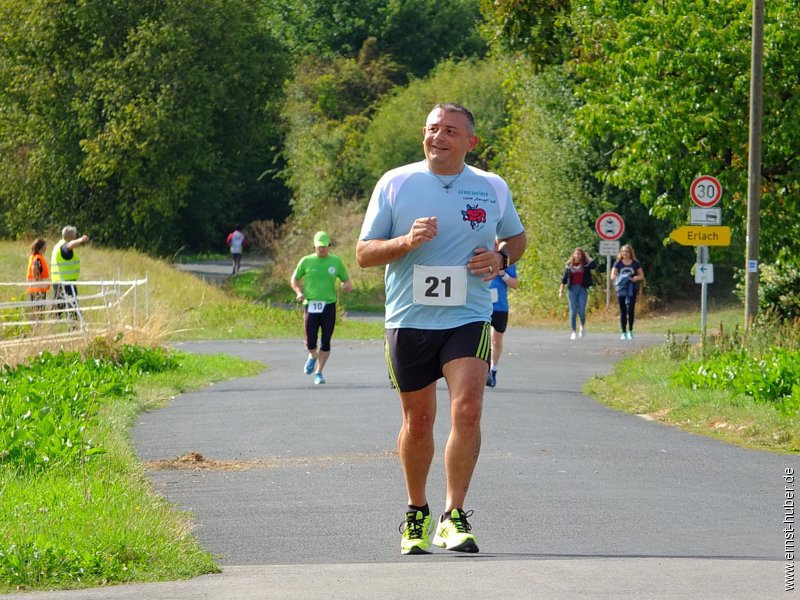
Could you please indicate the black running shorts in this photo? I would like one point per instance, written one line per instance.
(500, 321)
(415, 356)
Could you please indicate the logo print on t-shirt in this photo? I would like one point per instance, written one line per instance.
(474, 215)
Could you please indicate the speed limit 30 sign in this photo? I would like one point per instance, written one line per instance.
(706, 191)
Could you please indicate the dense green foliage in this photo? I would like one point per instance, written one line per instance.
(771, 378)
(547, 172)
(145, 123)
(367, 131)
(660, 96)
(49, 407)
(158, 124)
(329, 101)
(394, 135)
(536, 29)
(678, 107)
(80, 520)
(779, 291)
(415, 34)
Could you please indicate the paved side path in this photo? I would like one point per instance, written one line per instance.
(571, 499)
(218, 271)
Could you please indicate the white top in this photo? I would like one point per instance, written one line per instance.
(236, 242)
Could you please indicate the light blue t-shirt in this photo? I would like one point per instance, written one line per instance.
(475, 211)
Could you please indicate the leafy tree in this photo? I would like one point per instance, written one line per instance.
(147, 123)
(666, 90)
(536, 29)
(662, 90)
(416, 34)
(394, 136)
(355, 137)
(327, 110)
(548, 175)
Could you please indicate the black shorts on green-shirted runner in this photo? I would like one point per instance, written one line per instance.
(416, 533)
(453, 532)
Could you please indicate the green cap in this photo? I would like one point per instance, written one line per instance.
(321, 239)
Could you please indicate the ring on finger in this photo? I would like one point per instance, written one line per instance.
(490, 268)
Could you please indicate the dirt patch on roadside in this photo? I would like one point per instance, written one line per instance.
(196, 461)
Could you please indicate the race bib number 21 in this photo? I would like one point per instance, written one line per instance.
(440, 286)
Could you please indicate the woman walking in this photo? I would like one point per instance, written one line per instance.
(627, 276)
(577, 279)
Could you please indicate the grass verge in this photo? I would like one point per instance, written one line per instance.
(99, 522)
(641, 385)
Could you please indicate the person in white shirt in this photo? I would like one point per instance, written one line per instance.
(236, 242)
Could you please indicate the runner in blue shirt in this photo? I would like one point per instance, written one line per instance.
(433, 224)
(499, 289)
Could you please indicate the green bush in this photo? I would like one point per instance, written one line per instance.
(779, 290)
(49, 406)
(771, 378)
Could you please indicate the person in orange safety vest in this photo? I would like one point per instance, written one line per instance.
(38, 273)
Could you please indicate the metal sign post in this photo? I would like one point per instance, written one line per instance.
(701, 267)
(704, 231)
(610, 227)
(609, 249)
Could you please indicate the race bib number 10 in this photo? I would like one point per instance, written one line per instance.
(316, 306)
(440, 286)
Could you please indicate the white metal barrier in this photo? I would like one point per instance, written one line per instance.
(99, 306)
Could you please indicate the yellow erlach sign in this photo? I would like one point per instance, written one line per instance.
(700, 235)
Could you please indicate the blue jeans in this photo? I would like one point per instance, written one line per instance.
(577, 297)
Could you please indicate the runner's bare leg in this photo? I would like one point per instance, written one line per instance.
(466, 379)
(415, 443)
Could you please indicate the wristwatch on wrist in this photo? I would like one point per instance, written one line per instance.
(505, 258)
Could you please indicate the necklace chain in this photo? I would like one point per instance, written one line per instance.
(448, 184)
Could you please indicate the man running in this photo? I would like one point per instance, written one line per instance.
(319, 272)
(499, 286)
(434, 224)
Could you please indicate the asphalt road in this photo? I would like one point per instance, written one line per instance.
(571, 499)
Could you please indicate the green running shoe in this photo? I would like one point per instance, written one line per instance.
(416, 531)
(453, 532)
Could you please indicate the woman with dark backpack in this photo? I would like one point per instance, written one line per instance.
(627, 276)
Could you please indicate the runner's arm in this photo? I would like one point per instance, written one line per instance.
(514, 247)
(298, 289)
(375, 253)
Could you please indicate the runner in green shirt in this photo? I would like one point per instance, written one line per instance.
(317, 292)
